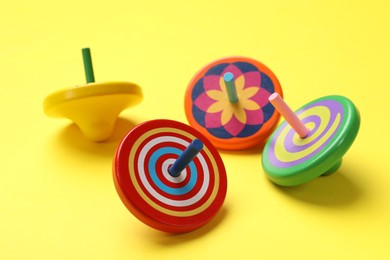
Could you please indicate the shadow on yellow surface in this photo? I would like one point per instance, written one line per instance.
(336, 190)
(72, 138)
(167, 239)
(257, 149)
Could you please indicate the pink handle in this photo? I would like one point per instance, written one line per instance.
(289, 115)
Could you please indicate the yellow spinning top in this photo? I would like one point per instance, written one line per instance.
(93, 107)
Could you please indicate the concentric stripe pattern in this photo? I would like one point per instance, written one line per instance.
(323, 118)
(187, 195)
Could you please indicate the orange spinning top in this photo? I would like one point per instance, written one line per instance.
(227, 101)
(93, 107)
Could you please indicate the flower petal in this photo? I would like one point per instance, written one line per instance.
(227, 114)
(249, 92)
(216, 95)
(213, 120)
(232, 69)
(252, 78)
(211, 82)
(203, 102)
(234, 126)
(250, 105)
(254, 117)
(239, 113)
(223, 86)
(216, 107)
(240, 83)
(261, 97)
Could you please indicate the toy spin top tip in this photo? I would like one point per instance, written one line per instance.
(93, 107)
(312, 141)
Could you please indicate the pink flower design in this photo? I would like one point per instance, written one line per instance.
(219, 112)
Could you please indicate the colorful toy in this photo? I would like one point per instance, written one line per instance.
(94, 107)
(312, 141)
(169, 176)
(227, 101)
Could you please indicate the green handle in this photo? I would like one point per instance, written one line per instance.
(88, 65)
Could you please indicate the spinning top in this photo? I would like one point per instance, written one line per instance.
(94, 107)
(227, 101)
(313, 140)
(169, 176)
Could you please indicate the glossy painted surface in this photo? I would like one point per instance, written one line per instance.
(289, 160)
(171, 204)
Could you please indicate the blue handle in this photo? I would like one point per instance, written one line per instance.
(228, 77)
(185, 158)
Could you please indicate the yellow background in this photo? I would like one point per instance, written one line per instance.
(57, 198)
